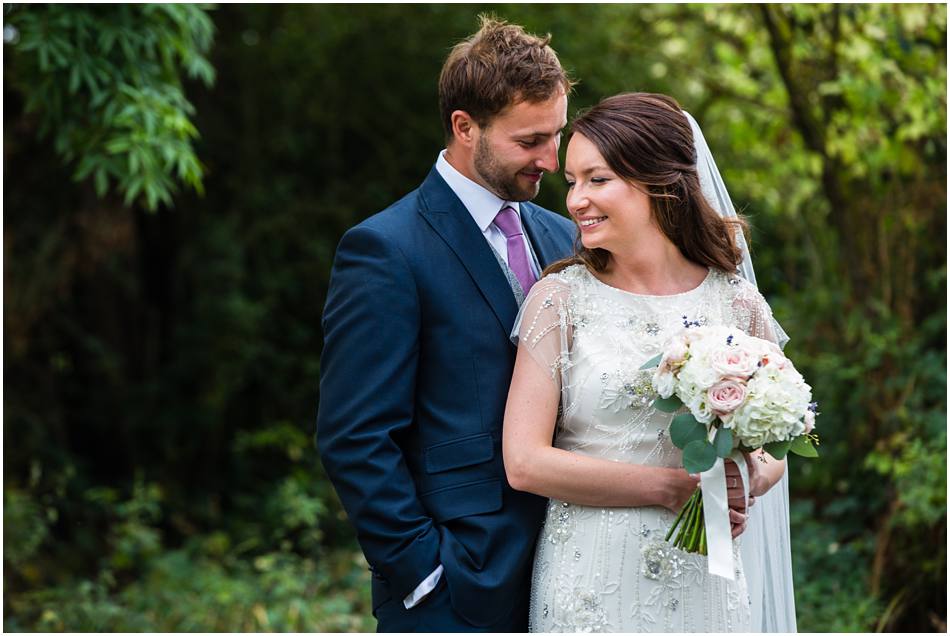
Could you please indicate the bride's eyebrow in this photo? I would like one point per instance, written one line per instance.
(589, 169)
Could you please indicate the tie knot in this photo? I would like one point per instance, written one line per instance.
(507, 221)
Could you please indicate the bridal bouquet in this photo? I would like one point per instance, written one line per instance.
(741, 393)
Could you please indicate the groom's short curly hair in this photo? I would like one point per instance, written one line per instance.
(500, 65)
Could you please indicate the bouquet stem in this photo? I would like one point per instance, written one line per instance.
(691, 534)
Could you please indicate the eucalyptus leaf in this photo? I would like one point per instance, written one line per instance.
(698, 456)
(685, 429)
(668, 405)
(723, 442)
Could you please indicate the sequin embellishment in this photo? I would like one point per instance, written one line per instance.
(560, 522)
(632, 391)
(660, 561)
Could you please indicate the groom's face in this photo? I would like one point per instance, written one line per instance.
(519, 145)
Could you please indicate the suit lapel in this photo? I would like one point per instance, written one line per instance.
(444, 212)
(540, 236)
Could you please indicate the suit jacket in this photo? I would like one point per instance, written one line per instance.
(415, 372)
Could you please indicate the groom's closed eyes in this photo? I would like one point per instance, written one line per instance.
(537, 138)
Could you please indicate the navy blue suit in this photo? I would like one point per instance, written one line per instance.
(415, 373)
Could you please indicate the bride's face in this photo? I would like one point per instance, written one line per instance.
(609, 210)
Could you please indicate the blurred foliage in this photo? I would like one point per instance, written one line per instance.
(161, 370)
(105, 81)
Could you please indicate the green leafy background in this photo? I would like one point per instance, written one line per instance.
(176, 178)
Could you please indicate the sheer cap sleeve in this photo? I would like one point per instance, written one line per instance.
(543, 327)
(754, 316)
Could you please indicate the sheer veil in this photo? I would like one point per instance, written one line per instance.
(765, 544)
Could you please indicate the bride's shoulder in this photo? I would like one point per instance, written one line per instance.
(741, 297)
(570, 275)
(562, 284)
(733, 286)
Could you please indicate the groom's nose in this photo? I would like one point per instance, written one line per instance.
(547, 160)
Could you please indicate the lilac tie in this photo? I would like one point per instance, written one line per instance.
(508, 222)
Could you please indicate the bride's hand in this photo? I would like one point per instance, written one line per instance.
(679, 488)
(735, 491)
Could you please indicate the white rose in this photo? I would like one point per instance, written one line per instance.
(734, 362)
(663, 383)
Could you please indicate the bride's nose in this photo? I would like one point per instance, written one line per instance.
(576, 201)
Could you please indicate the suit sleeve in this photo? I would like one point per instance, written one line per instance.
(367, 388)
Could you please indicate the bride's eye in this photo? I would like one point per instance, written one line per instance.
(570, 184)
(599, 180)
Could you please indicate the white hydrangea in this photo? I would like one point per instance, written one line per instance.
(777, 401)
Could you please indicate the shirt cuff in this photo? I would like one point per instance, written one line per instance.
(428, 584)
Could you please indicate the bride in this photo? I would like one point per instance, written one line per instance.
(653, 255)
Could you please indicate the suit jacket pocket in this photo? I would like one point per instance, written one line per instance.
(458, 453)
(472, 498)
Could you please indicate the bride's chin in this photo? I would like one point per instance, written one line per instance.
(590, 244)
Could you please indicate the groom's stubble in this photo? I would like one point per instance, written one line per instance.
(501, 179)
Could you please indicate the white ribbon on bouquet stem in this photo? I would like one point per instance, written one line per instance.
(716, 513)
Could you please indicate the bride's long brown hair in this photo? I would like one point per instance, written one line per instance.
(645, 138)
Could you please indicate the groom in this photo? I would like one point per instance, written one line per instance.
(417, 358)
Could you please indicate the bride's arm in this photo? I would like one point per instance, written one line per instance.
(532, 464)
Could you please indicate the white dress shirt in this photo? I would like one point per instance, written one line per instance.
(483, 205)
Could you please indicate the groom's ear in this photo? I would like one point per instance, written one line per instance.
(463, 128)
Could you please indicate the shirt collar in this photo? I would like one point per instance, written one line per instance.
(482, 204)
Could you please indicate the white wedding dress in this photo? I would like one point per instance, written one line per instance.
(609, 569)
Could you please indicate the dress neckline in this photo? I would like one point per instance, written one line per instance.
(709, 275)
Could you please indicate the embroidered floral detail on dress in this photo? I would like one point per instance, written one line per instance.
(652, 328)
(589, 614)
(580, 610)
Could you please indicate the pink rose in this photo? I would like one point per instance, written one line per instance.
(726, 396)
(809, 421)
(734, 362)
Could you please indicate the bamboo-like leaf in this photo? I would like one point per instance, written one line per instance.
(778, 450)
(803, 446)
(652, 362)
